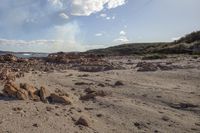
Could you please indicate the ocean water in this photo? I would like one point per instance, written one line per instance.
(29, 55)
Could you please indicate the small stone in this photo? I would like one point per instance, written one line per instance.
(99, 115)
(165, 118)
(48, 108)
(57, 114)
(88, 96)
(35, 125)
(89, 90)
(119, 83)
(101, 85)
(17, 109)
(82, 121)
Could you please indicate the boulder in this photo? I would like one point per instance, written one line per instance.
(44, 94)
(55, 98)
(28, 87)
(22, 94)
(10, 89)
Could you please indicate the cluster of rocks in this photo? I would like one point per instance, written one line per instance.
(25, 91)
(58, 61)
(153, 66)
(82, 61)
(10, 74)
(8, 58)
(12, 67)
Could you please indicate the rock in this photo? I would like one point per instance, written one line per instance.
(89, 90)
(119, 83)
(55, 98)
(11, 89)
(61, 92)
(35, 125)
(30, 89)
(82, 121)
(44, 94)
(88, 96)
(8, 57)
(140, 125)
(146, 66)
(7, 74)
(22, 94)
(82, 83)
(101, 85)
(17, 109)
(99, 115)
(48, 108)
(165, 118)
(101, 93)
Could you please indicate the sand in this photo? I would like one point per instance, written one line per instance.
(147, 102)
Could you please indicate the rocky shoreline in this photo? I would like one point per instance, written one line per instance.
(80, 92)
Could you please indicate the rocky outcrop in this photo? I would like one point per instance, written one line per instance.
(11, 89)
(8, 58)
(82, 61)
(154, 66)
(28, 92)
(6, 74)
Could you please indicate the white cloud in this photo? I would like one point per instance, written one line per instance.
(40, 46)
(64, 16)
(123, 33)
(99, 34)
(103, 15)
(88, 7)
(108, 18)
(121, 39)
(115, 3)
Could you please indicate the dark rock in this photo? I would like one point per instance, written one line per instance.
(82, 121)
(119, 83)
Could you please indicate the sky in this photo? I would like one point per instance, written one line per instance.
(79, 25)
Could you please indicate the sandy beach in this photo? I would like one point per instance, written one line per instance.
(160, 101)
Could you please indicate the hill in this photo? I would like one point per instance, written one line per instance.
(189, 44)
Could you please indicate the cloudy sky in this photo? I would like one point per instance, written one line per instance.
(78, 25)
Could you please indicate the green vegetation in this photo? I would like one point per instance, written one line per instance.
(189, 44)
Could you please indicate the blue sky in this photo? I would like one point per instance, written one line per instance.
(78, 25)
